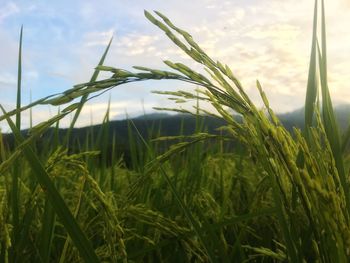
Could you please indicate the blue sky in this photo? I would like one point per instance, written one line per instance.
(267, 40)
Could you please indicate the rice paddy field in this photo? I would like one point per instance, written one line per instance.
(278, 196)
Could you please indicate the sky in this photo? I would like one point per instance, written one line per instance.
(265, 40)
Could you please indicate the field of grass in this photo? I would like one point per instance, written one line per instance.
(276, 197)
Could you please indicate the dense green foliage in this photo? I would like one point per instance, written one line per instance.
(277, 195)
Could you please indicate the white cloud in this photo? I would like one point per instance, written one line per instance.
(285, 32)
(92, 39)
(267, 40)
(136, 44)
(7, 10)
(7, 80)
(31, 75)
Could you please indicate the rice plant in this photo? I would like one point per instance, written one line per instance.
(277, 196)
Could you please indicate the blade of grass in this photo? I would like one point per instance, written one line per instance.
(47, 231)
(329, 119)
(29, 214)
(196, 227)
(84, 97)
(19, 80)
(30, 111)
(16, 172)
(78, 237)
(311, 90)
(103, 140)
(345, 140)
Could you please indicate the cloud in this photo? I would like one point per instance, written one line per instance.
(283, 32)
(96, 38)
(92, 113)
(9, 50)
(136, 44)
(8, 10)
(267, 40)
(7, 80)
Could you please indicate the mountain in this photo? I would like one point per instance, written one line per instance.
(296, 118)
(161, 124)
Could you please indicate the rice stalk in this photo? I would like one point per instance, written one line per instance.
(289, 163)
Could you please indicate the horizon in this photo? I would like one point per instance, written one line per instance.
(158, 115)
(267, 40)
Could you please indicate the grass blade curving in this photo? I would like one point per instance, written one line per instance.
(76, 234)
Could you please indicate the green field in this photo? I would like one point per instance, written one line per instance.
(253, 191)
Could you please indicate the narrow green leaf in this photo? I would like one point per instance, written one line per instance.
(85, 96)
(78, 237)
(194, 223)
(19, 81)
(47, 231)
(345, 140)
(311, 91)
(15, 195)
(329, 120)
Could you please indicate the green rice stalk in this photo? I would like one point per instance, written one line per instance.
(70, 224)
(15, 193)
(311, 90)
(5, 229)
(84, 98)
(290, 163)
(329, 119)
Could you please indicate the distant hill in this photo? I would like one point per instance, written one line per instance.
(296, 118)
(162, 124)
(148, 126)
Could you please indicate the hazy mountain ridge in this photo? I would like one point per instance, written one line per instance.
(163, 124)
(296, 118)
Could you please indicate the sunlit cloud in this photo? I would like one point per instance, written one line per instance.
(267, 40)
(97, 38)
